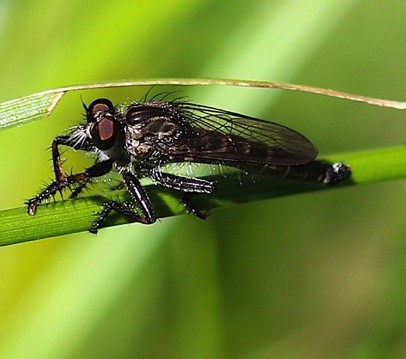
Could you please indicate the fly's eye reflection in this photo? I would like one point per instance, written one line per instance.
(138, 140)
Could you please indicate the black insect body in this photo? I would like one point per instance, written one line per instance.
(141, 138)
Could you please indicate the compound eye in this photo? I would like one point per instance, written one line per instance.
(104, 132)
(99, 109)
(103, 126)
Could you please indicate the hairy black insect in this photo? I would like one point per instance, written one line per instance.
(140, 138)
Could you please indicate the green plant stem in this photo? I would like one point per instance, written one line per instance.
(77, 215)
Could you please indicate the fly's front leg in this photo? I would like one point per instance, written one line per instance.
(68, 141)
(80, 179)
(56, 157)
(139, 198)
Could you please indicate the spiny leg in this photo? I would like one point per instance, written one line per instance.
(61, 179)
(80, 179)
(139, 198)
(69, 141)
(126, 209)
(182, 183)
(186, 185)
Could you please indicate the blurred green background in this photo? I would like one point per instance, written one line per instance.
(311, 276)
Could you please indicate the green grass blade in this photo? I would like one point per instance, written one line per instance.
(36, 106)
(72, 216)
(28, 108)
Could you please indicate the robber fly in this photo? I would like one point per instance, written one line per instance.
(139, 139)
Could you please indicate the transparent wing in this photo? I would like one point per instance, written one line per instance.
(219, 135)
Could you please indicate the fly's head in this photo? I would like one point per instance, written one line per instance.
(102, 126)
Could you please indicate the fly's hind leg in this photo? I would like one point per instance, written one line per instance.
(187, 186)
